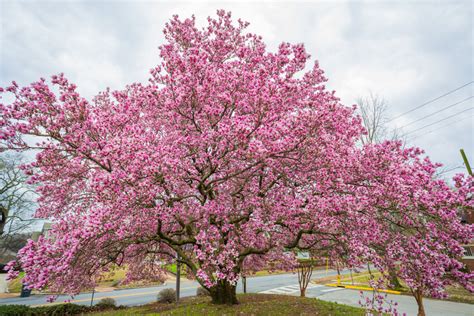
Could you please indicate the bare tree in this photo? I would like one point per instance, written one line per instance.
(16, 202)
(373, 111)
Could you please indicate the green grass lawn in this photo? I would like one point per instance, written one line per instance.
(173, 269)
(267, 272)
(111, 279)
(362, 278)
(250, 304)
(14, 286)
(114, 277)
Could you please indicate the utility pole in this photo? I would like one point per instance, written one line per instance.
(92, 297)
(178, 276)
(466, 162)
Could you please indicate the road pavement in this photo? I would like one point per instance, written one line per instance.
(273, 284)
(406, 304)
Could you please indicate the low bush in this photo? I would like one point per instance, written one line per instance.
(167, 296)
(106, 303)
(61, 309)
(54, 310)
(14, 310)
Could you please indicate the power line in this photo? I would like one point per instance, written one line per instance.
(445, 108)
(451, 169)
(439, 121)
(444, 126)
(431, 101)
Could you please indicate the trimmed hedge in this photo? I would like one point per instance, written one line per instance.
(14, 310)
(54, 310)
(62, 309)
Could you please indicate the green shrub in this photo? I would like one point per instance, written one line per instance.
(14, 310)
(106, 303)
(53, 310)
(167, 296)
(57, 310)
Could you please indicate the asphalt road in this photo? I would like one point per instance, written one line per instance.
(273, 284)
(406, 304)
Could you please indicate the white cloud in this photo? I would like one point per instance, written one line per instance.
(408, 52)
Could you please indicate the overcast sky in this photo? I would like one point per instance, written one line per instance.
(408, 52)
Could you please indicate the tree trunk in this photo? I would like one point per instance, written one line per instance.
(302, 292)
(3, 218)
(305, 270)
(394, 278)
(223, 293)
(419, 300)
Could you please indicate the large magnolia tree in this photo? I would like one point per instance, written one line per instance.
(229, 157)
